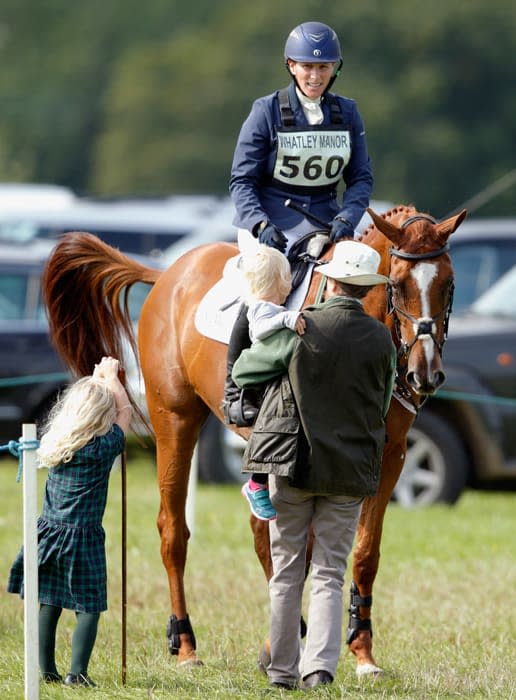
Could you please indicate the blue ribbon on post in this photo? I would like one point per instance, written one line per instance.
(16, 448)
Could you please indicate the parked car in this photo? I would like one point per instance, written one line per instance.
(482, 250)
(31, 372)
(463, 436)
(137, 226)
(219, 227)
(17, 196)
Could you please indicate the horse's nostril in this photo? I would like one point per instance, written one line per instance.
(427, 386)
(412, 379)
(439, 378)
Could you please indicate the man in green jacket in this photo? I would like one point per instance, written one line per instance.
(341, 373)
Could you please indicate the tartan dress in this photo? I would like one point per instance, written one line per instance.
(71, 551)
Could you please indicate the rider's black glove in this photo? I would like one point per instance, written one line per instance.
(341, 228)
(269, 235)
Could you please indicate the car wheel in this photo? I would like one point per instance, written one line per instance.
(436, 465)
(219, 453)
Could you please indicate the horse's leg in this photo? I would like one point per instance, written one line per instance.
(260, 530)
(176, 436)
(366, 554)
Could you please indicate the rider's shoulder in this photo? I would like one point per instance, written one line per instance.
(346, 104)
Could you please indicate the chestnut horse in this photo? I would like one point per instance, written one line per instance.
(85, 280)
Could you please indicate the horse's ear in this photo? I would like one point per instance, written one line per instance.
(393, 233)
(448, 226)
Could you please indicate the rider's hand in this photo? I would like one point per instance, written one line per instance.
(341, 228)
(269, 235)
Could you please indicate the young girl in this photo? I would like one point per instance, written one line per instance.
(269, 281)
(84, 433)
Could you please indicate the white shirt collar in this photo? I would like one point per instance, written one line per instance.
(311, 108)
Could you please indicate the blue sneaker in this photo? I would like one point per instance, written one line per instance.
(259, 502)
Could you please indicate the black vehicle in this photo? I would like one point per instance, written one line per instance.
(463, 436)
(31, 372)
(482, 250)
(32, 217)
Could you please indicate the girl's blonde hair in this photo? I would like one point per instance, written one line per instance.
(266, 271)
(85, 410)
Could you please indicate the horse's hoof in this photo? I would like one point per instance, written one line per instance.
(369, 670)
(189, 663)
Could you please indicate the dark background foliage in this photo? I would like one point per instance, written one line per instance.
(119, 97)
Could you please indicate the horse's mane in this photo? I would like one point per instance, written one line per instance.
(392, 213)
(420, 237)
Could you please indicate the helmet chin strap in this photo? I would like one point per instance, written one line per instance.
(335, 75)
(332, 79)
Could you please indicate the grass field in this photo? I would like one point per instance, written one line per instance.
(444, 610)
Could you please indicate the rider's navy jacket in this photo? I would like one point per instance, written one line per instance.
(257, 197)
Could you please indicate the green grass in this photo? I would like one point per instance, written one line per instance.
(444, 613)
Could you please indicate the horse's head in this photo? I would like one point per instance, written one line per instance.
(420, 293)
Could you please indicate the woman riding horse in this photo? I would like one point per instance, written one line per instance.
(300, 142)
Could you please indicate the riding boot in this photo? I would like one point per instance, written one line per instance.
(238, 406)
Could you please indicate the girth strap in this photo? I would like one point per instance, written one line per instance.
(176, 627)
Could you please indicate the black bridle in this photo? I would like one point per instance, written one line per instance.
(424, 327)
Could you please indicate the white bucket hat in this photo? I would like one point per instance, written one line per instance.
(354, 263)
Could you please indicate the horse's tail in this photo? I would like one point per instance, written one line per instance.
(86, 284)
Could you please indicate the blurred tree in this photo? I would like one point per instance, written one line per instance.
(452, 124)
(123, 97)
(60, 57)
(180, 104)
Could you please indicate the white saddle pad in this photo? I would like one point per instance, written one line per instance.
(219, 307)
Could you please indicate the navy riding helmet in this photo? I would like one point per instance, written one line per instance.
(314, 42)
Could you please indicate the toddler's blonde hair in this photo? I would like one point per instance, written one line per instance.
(85, 410)
(267, 271)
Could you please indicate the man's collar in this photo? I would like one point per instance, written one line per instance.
(344, 297)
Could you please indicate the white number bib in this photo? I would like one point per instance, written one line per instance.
(314, 158)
